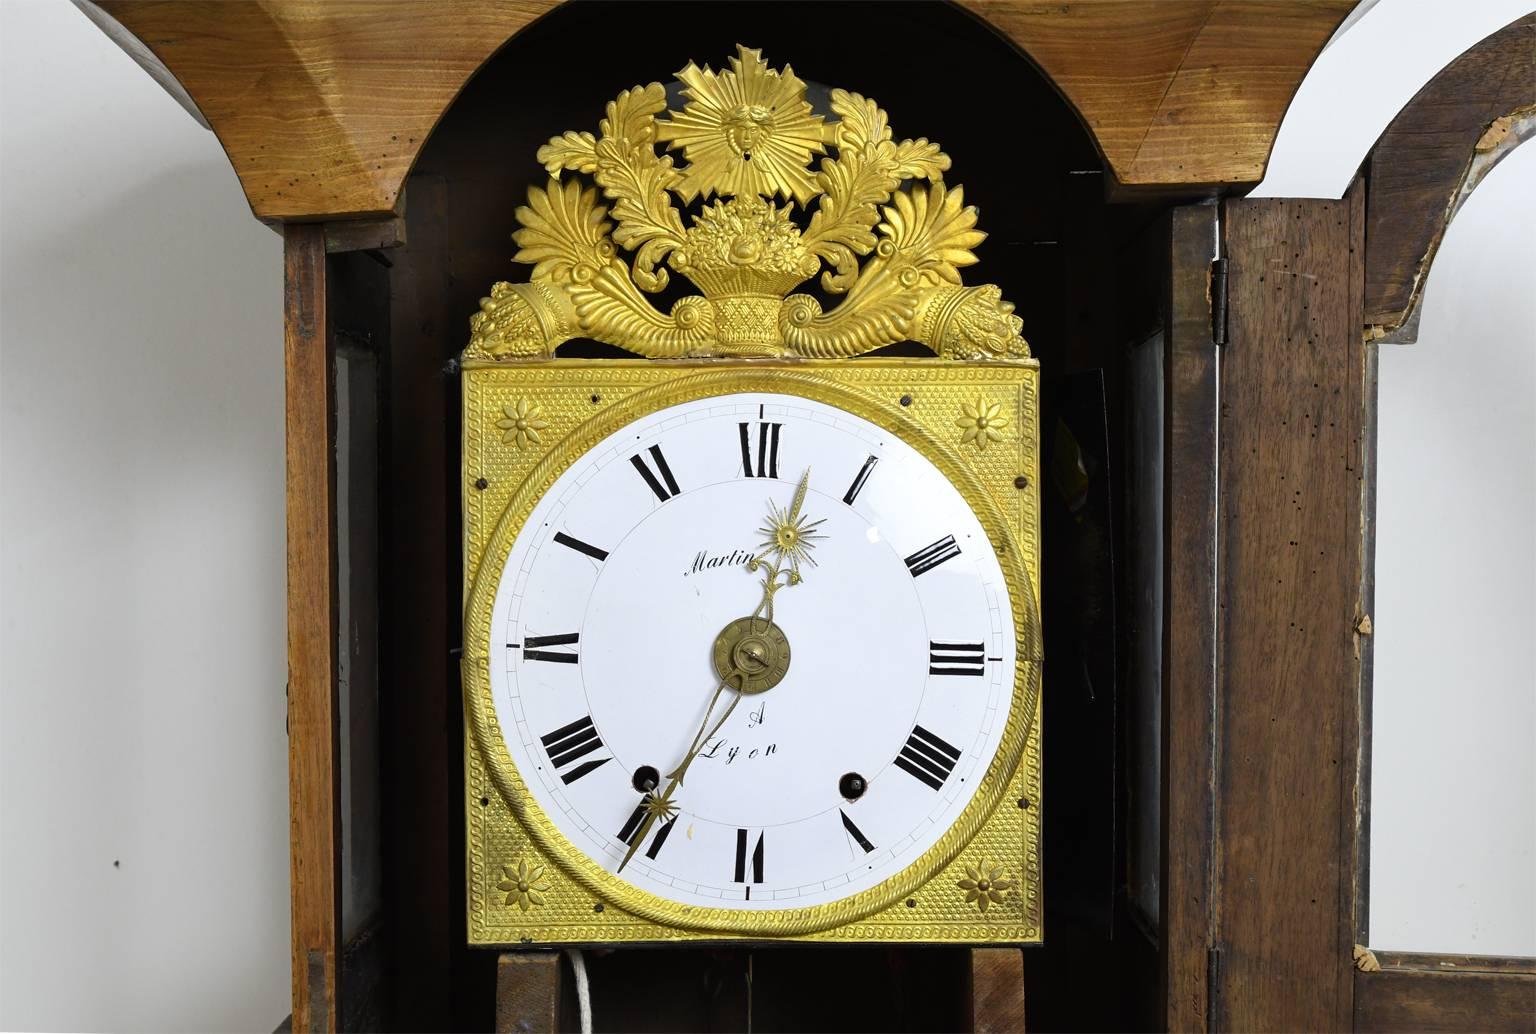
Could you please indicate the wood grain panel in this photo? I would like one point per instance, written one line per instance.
(997, 990)
(1137, 49)
(421, 724)
(1454, 1002)
(528, 992)
(313, 771)
(1179, 91)
(324, 107)
(1418, 166)
(1289, 546)
(1391, 961)
(1217, 120)
(1189, 616)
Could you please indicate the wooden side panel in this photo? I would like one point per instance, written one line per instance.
(1456, 1003)
(323, 107)
(997, 990)
(438, 983)
(528, 992)
(1418, 166)
(1289, 532)
(1189, 616)
(313, 772)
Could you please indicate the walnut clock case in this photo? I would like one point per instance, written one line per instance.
(751, 638)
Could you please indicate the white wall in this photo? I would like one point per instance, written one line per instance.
(141, 540)
(143, 795)
(1453, 783)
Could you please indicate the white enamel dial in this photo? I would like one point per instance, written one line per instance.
(901, 653)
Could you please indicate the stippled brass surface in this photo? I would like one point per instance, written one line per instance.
(581, 402)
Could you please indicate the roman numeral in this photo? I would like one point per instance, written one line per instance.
(927, 758)
(929, 557)
(854, 831)
(531, 644)
(631, 829)
(569, 744)
(957, 659)
(663, 491)
(767, 450)
(741, 858)
(858, 482)
(581, 547)
(659, 839)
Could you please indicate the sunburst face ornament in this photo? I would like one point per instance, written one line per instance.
(747, 131)
(788, 536)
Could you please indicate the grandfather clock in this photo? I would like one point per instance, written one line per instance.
(693, 614)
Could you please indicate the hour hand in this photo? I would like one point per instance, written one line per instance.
(788, 535)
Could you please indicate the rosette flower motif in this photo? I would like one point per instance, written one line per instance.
(521, 424)
(524, 884)
(985, 885)
(981, 422)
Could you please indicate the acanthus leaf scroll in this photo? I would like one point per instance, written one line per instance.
(886, 234)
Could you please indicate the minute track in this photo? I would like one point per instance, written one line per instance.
(652, 587)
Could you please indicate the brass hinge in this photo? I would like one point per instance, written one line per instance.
(1219, 302)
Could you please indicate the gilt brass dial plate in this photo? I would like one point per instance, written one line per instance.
(538, 873)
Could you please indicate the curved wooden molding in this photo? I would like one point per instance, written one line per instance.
(1437, 149)
(323, 107)
(1175, 92)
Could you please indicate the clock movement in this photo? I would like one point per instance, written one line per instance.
(752, 646)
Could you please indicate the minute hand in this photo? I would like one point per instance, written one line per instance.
(655, 807)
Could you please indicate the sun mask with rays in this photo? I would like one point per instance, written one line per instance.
(745, 131)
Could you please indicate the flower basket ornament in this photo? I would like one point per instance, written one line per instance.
(885, 232)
